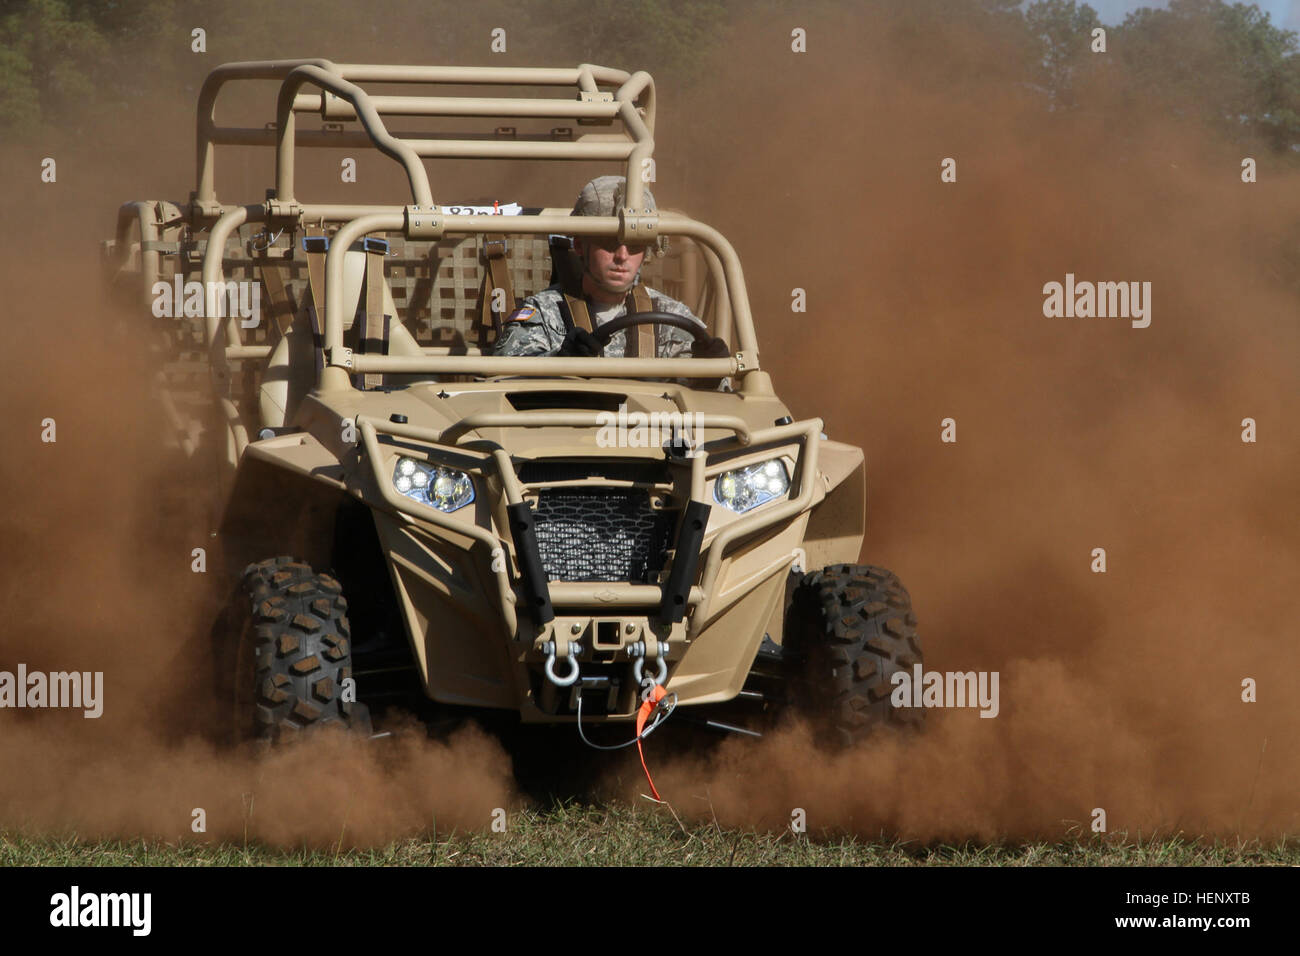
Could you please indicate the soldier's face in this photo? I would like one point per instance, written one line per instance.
(611, 265)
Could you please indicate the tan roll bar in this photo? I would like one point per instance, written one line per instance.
(599, 95)
(340, 97)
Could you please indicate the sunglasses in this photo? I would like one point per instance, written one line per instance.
(611, 243)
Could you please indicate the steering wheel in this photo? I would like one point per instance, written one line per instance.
(607, 330)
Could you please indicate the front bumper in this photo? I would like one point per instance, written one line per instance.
(466, 575)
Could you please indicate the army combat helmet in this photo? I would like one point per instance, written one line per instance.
(606, 195)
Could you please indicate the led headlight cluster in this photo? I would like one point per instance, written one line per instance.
(750, 487)
(443, 488)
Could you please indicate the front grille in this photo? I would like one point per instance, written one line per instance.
(600, 535)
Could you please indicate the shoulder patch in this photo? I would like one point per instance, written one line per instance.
(521, 315)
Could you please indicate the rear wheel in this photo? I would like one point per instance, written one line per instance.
(850, 628)
(294, 662)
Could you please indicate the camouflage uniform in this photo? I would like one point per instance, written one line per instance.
(538, 327)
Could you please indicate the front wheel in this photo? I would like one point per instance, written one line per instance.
(294, 658)
(849, 629)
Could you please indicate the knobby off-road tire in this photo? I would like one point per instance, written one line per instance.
(294, 653)
(852, 628)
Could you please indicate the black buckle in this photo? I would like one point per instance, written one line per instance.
(375, 245)
(315, 243)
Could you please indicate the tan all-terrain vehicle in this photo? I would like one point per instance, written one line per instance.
(404, 510)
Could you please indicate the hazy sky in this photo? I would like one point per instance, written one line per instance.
(1284, 13)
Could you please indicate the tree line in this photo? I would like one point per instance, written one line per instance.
(1225, 65)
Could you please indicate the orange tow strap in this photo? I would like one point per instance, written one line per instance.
(642, 715)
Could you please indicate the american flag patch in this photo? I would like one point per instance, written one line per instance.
(521, 315)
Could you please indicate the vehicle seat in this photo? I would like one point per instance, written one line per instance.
(291, 370)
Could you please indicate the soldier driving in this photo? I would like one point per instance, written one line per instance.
(561, 319)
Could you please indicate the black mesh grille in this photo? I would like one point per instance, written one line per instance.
(599, 535)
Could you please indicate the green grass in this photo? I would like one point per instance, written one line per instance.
(579, 834)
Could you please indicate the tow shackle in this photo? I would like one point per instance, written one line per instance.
(570, 678)
(637, 652)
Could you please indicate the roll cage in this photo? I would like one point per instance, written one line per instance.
(622, 105)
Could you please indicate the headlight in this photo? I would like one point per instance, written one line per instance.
(750, 487)
(443, 488)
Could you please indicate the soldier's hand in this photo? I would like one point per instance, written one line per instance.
(712, 348)
(581, 343)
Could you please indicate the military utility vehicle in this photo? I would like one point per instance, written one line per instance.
(402, 511)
